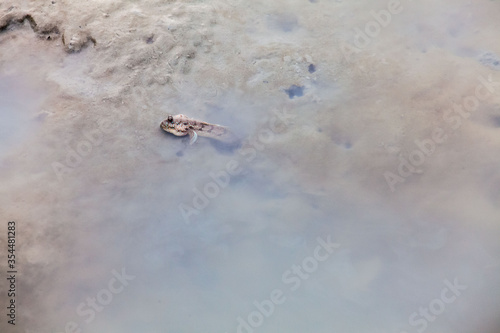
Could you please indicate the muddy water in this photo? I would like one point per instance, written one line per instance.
(14, 124)
(363, 198)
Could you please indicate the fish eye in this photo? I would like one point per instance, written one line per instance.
(170, 119)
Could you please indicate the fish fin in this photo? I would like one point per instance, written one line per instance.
(193, 135)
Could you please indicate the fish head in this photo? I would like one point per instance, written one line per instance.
(173, 125)
(168, 124)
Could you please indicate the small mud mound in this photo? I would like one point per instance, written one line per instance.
(47, 31)
(15, 20)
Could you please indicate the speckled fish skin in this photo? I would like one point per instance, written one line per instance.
(181, 125)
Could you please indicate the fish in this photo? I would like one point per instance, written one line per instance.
(182, 125)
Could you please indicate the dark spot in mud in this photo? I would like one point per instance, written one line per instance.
(41, 116)
(490, 59)
(496, 121)
(320, 130)
(180, 153)
(312, 68)
(347, 145)
(295, 90)
(454, 32)
(286, 22)
(313, 1)
(150, 40)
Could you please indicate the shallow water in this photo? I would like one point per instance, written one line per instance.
(358, 201)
